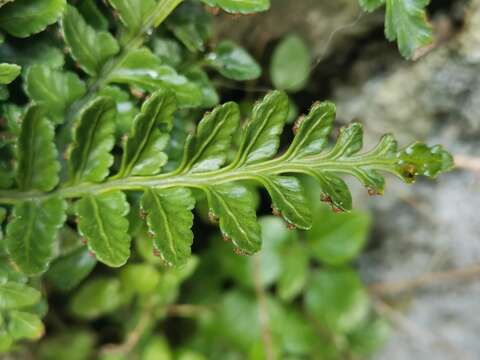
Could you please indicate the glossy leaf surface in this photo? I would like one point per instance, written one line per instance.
(89, 47)
(37, 156)
(208, 149)
(90, 156)
(14, 295)
(54, 89)
(8, 72)
(169, 218)
(260, 139)
(233, 205)
(290, 66)
(233, 62)
(143, 69)
(288, 200)
(240, 6)
(133, 13)
(31, 235)
(23, 18)
(102, 222)
(24, 325)
(143, 151)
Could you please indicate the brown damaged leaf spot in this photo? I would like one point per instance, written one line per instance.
(409, 171)
(373, 192)
(298, 124)
(276, 211)
(239, 252)
(212, 10)
(328, 200)
(138, 94)
(226, 238)
(291, 226)
(212, 217)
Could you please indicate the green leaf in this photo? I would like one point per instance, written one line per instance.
(102, 222)
(54, 89)
(169, 51)
(91, 13)
(234, 206)
(238, 322)
(96, 298)
(420, 159)
(169, 219)
(9, 72)
(210, 97)
(90, 156)
(288, 200)
(190, 24)
(293, 277)
(68, 271)
(349, 142)
(143, 69)
(37, 156)
(6, 342)
(133, 13)
(126, 108)
(406, 21)
(297, 335)
(89, 47)
(149, 136)
(158, 348)
(370, 5)
(32, 233)
(313, 130)
(368, 339)
(335, 191)
(71, 345)
(31, 51)
(13, 116)
(290, 66)
(208, 149)
(24, 325)
(8, 273)
(23, 18)
(139, 278)
(240, 6)
(338, 238)
(233, 62)
(260, 139)
(15, 295)
(372, 179)
(276, 238)
(336, 298)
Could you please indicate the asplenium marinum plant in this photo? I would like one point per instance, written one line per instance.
(99, 196)
(64, 169)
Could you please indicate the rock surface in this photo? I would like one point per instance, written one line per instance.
(429, 227)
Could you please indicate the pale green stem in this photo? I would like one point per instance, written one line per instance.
(201, 180)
